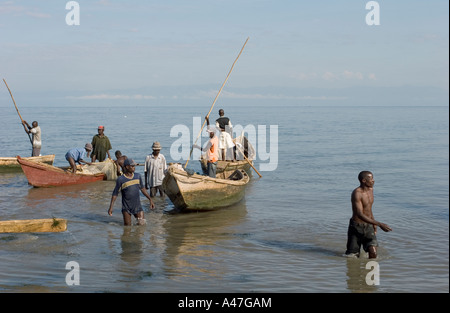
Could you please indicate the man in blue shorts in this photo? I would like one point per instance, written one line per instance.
(130, 183)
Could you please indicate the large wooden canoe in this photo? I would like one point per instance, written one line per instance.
(33, 226)
(10, 163)
(198, 192)
(44, 175)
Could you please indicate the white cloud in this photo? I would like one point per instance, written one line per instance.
(112, 97)
(332, 76)
(352, 75)
(38, 14)
(259, 96)
(9, 8)
(329, 76)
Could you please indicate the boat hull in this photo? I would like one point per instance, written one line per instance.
(44, 175)
(11, 163)
(34, 226)
(197, 192)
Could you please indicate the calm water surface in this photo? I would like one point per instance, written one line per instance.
(287, 235)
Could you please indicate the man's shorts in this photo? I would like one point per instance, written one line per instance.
(360, 234)
(133, 211)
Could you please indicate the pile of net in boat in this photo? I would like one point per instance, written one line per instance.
(107, 167)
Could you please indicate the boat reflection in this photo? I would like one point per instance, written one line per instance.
(193, 245)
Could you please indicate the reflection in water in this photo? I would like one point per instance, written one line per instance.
(193, 240)
(131, 243)
(173, 245)
(356, 275)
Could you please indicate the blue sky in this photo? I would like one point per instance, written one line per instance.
(299, 51)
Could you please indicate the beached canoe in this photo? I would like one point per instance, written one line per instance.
(33, 226)
(198, 192)
(10, 163)
(44, 175)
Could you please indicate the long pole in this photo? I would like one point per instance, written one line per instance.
(214, 102)
(16, 107)
(234, 140)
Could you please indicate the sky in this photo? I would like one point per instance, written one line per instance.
(173, 52)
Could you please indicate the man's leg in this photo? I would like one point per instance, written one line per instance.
(372, 252)
(126, 218)
(212, 167)
(72, 165)
(140, 218)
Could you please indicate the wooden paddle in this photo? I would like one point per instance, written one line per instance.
(214, 102)
(29, 137)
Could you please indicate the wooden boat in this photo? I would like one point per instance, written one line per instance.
(10, 163)
(33, 226)
(44, 175)
(226, 168)
(198, 192)
(244, 152)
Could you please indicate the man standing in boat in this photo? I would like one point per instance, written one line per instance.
(129, 184)
(101, 146)
(36, 132)
(226, 145)
(212, 150)
(363, 227)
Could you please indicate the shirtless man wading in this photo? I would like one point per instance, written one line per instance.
(363, 227)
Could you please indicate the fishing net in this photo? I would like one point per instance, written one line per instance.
(107, 167)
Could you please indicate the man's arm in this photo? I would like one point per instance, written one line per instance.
(26, 126)
(85, 162)
(113, 199)
(145, 193)
(358, 210)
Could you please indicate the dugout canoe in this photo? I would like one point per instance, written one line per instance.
(44, 175)
(198, 192)
(11, 163)
(34, 226)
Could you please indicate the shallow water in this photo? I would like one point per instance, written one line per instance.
(287, 235)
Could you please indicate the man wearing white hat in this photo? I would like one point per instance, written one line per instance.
(154, 170)
(77, 155)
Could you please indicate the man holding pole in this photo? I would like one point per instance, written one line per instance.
(212, 150)
(36, 133)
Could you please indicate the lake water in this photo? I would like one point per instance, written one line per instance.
(288, 234)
